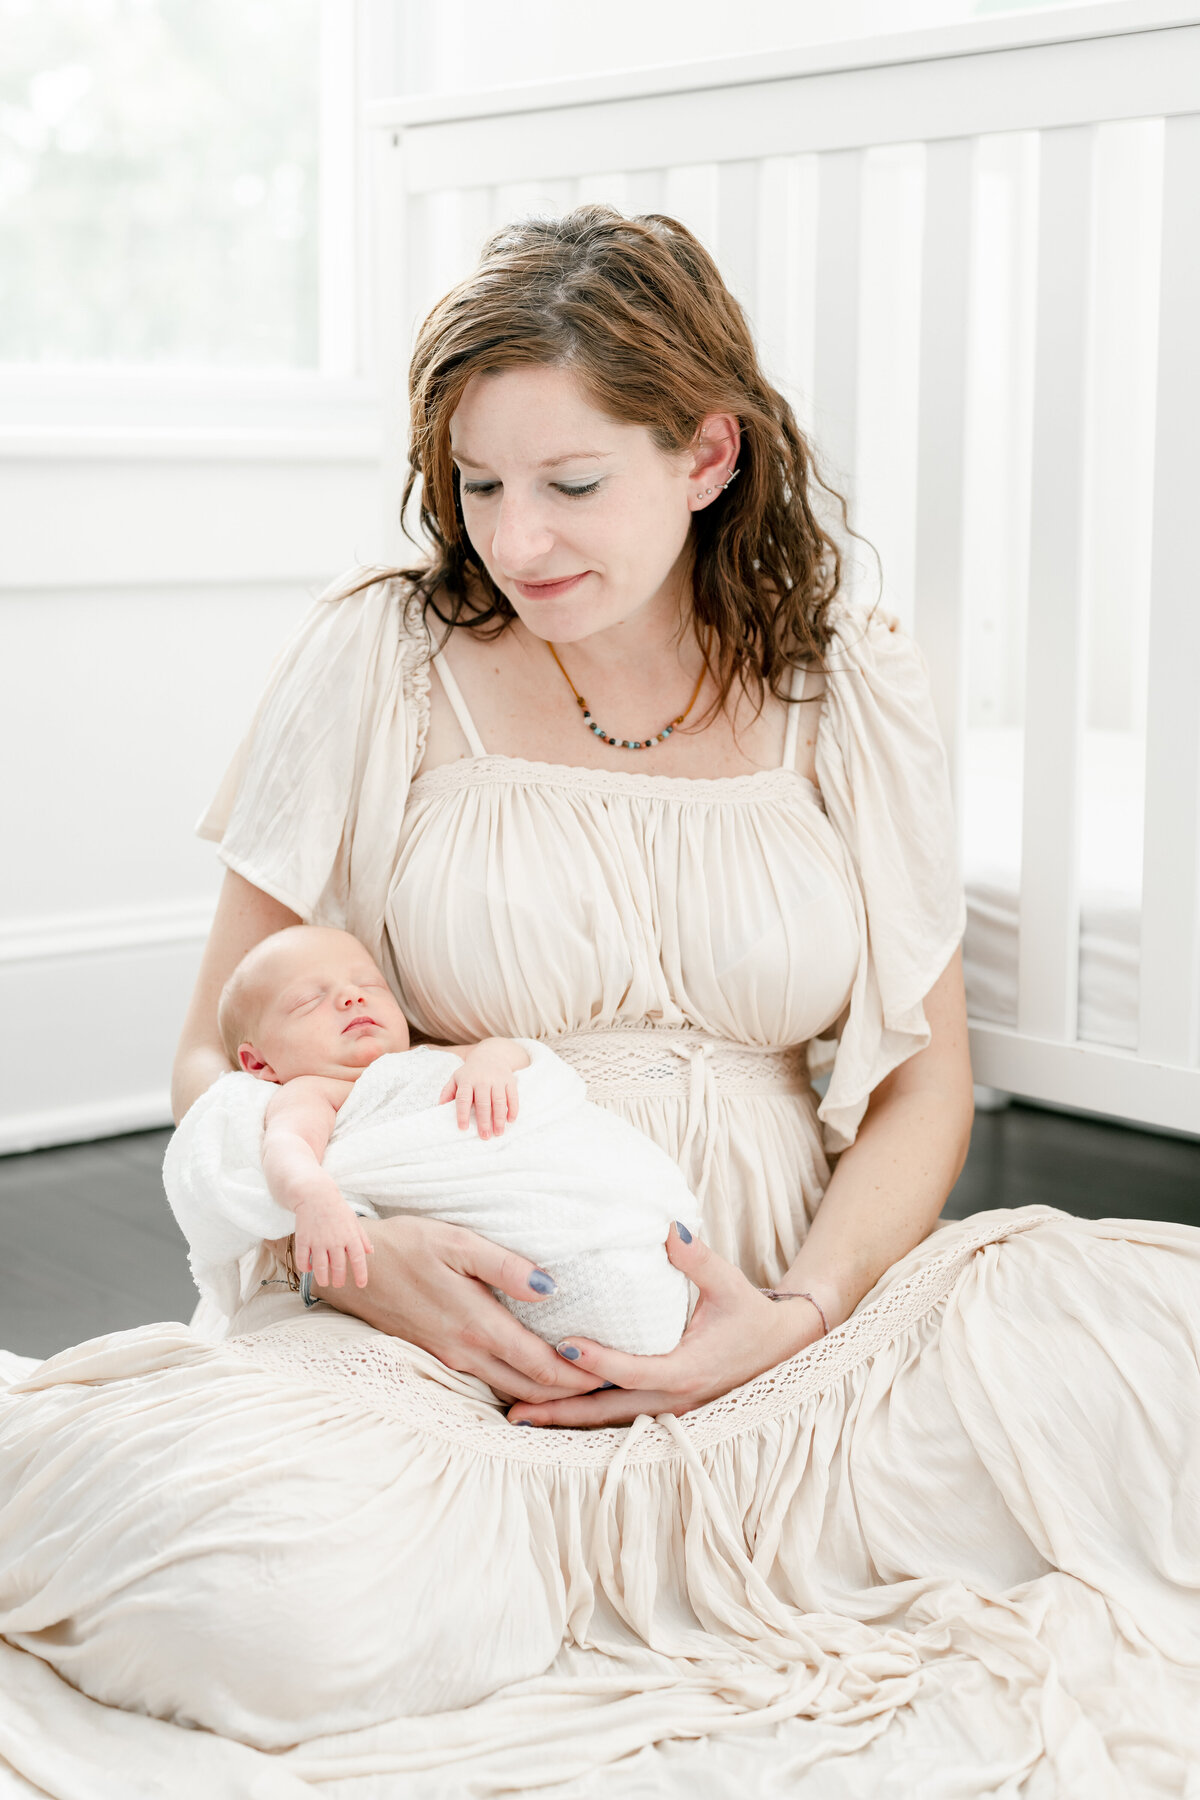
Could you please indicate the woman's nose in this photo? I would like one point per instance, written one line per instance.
(521, 537)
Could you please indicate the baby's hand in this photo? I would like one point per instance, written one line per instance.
(330, 1234)
(487, 1081)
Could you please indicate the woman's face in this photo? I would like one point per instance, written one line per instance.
(579, 519)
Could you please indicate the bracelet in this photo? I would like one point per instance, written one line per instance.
(306, 1293)
(786, 1294)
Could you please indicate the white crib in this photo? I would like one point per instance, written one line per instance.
(922, 230)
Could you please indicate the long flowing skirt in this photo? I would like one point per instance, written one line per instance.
(951, 1550)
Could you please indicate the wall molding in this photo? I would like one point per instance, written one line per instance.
(189, 443)
(47, 939)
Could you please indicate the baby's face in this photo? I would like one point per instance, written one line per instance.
(322, 1008)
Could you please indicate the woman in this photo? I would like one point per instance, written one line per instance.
(926, 1523)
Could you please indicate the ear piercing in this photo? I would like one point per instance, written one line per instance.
(719, 486)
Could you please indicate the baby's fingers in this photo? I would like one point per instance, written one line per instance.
(464, 1096)
(510, 1090)
(499, 1107)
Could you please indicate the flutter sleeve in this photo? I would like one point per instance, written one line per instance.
(310, 808)
(882, 770)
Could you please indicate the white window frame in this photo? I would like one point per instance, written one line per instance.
(93, 409)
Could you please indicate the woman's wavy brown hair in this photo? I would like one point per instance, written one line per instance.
(637, 310)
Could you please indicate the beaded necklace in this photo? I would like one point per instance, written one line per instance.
(659, 737)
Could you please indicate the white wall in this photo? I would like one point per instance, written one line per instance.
(144, 591)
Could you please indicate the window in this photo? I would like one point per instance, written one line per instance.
(161, 183)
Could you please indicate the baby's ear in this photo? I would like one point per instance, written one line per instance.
(252, 1063)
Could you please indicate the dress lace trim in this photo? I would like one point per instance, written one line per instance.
(511, 771)
(374, 1373)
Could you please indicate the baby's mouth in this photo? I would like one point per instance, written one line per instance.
(362, 1019)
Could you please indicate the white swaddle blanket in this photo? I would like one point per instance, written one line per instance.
(583, 1194)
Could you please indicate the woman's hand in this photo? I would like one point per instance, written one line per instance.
(430, 1285)
(734, 1334)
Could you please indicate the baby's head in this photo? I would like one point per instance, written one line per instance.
(308, 1001)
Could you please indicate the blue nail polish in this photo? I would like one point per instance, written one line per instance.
(541, 1283)
(528, 1422)
(570, 1351)
(683, 1231)
(607, 1384)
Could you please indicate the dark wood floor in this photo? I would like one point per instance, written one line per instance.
(91, 1246)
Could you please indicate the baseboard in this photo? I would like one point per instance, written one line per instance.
(90, 1012)
(84, 1123)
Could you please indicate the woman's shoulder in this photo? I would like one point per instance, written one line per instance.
(866, 637)
(385, 599)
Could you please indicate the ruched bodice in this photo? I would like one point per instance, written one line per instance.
(536, 899)
(542, 901)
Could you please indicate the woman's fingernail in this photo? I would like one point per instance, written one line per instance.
(683, 1231)
(541, 1283)
(528, 1422)
(570, 1351)
(605, 1384)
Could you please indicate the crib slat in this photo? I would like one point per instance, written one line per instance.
(786, 280)
(690, 195)
(1168, 1021)
(737, 230)
(646, 190)
(1048, 979)
(940, 608)
(835, 334)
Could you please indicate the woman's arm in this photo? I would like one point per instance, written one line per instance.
(244, 916)
(883, 1199)
(889, 1187)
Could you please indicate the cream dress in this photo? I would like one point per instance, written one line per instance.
(951, 1550)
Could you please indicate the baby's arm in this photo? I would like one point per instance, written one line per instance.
(487, 1079)
(299, 1120)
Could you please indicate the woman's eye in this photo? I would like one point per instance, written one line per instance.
(478, 487)
(577, 493)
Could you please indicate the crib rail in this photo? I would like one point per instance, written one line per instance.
(777, 162)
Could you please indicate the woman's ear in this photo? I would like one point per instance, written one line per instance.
(252, 1063)
(715, 451)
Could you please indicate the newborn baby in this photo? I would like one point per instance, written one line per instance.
(308, 1011)
(333, 1119)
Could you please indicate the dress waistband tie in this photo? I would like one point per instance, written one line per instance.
(662, 1061)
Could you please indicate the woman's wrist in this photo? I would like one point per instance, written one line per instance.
(825, 1292)
(781, 1295)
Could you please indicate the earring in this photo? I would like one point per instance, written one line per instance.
(721, 485)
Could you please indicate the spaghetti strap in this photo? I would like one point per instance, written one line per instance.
(458, 706)
(792, 734)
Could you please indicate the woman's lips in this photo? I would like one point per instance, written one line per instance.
(550, 590)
